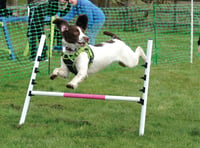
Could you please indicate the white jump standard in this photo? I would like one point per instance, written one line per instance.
(142, 101)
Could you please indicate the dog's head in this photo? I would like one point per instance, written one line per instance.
(73, 35)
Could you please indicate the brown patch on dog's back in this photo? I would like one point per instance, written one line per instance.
(114, 36)
(98, 45)
(110, 41)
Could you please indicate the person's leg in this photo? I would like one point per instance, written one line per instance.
(31, 34)
(44, 55)
(32, 46)
(34, 36)
(39, 19)
(93, 32)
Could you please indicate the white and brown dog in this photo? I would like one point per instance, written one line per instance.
(73, 38)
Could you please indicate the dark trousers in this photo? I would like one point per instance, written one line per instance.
(35, 30)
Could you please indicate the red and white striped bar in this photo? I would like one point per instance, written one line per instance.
(85, 96)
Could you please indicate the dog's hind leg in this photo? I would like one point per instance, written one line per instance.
(141, 53)
(128, 58)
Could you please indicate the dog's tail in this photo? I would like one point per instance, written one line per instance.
(114, 36)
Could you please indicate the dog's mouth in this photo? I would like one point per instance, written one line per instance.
(82, 43)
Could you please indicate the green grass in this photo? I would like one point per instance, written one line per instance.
(172, 112)
(173, 116)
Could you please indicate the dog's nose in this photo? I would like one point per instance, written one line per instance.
(86, 39)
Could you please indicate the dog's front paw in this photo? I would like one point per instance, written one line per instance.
(52, 76)
(71, 86)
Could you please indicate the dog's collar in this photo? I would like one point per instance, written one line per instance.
(70, 49)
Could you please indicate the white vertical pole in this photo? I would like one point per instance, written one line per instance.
(146, 86)
(192, 30)
(33, 76)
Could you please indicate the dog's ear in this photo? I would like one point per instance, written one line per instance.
(82, 21)
(61, 24)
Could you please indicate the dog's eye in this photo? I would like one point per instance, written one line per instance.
(77, 30)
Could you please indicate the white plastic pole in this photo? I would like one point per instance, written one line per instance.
(146, 86)
(86, 96)
(33, 76)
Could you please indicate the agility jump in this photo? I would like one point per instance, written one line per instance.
(142, 101)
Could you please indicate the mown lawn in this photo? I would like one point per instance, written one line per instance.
(173, 112)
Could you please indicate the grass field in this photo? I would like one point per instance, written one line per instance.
(173, 110)
(173, 116)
